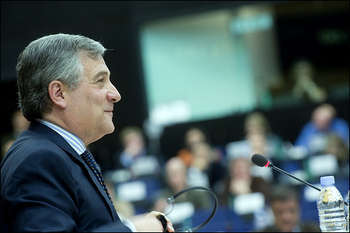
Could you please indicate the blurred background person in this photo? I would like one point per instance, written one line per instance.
(337, 147)
(207, 166)
(300, 85)
(176, 181)
(134, 156)
(185, 205)
(202, 155)
(305, 87)
(19, 123)
(284, 202)
(323, 121)
(241, 183)
(6, 143)
(192, 137)
(260, 137)
(205, 162)
(332, 159)
(135, 169)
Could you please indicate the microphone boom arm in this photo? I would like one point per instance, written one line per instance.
(305, 182)
(261, 161)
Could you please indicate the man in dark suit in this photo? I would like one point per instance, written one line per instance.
(49, 180)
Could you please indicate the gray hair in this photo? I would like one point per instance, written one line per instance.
(49, 58)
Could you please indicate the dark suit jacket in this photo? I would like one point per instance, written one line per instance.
(46, 186)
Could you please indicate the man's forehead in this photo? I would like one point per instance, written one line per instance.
(95, 65)
(287, 202)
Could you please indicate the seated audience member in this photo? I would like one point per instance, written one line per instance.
(284, 202)
(192, 137)
(323, 121)
(204, 161)
(333, 160)
(305, 87)
(206, 168)
(259, 139)
(240, 181)
(260, 136)
(299, 86)
(240, 184)
(185, 205)
(176, 181)
(19, 124)
(202, 155)
(336, 146)
(134, 156)
(6, 143)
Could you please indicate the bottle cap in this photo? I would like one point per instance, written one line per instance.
(327, 180)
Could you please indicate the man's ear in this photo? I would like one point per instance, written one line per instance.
(57, 92)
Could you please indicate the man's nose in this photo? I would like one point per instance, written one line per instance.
(113, 94)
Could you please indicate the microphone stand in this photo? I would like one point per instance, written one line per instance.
(305, 182)
(284, 172)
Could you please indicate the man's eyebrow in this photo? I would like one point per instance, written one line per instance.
(101, 73)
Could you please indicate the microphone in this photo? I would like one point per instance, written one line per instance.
(261, 161)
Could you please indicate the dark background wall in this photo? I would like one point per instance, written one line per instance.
(116, 25)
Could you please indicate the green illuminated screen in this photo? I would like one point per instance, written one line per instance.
(195, 68)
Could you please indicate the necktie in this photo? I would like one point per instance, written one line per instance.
(91, 162)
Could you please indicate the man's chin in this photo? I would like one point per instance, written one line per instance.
(110, 124)
(111, 129)
(287, 228)
(107, 127)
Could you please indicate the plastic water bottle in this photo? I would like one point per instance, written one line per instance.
(347, 212)
(330, 207)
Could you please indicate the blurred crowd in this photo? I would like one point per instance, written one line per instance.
(250, 198)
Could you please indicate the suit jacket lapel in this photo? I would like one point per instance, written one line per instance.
(59, 140)
(100, 189)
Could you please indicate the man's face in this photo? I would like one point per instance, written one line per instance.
(176, 175)
(322, 118)
(240, 169)
(286, 214)
(90, 105)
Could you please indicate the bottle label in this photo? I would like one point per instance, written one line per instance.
(326, 194)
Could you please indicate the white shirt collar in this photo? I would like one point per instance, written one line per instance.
(75, 142)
